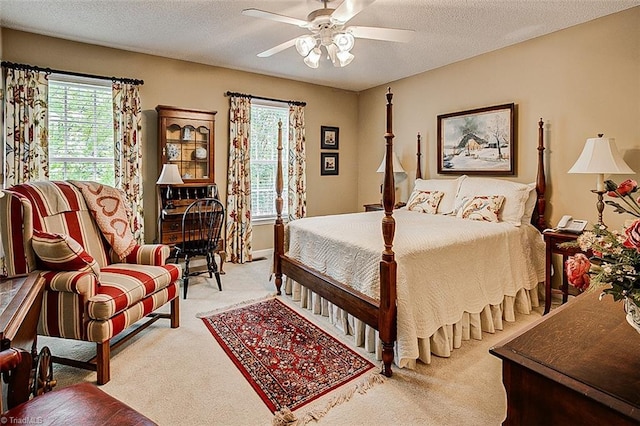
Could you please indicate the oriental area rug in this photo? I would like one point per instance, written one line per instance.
(286, 359)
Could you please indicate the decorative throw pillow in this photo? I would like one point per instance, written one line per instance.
(449, 187)
(515, 195)
(482, 207)
(425, 201)
(62, 253)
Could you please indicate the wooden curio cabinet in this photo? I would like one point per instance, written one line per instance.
(187, 139)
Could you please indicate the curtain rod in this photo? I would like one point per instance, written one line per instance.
(244, 95)
(77, 74)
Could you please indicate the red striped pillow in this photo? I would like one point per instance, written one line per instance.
(62, 253)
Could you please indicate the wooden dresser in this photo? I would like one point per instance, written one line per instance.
(580, 364)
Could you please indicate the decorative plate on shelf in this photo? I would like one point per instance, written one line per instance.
(200, 153)
(173, 151)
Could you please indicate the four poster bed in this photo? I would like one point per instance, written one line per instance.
(454, 267)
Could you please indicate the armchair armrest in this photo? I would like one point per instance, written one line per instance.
(18, 363)
(146, 254)
(79, 282)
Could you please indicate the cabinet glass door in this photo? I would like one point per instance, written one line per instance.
(188, 147)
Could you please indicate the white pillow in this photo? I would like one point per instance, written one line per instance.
(449, 187)
(530, 204)
(515, 195)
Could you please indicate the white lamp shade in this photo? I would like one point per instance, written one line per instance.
(170, 175)
(397, 167)
(601, 156)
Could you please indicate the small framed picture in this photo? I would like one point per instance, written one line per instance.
(329, 163)
(329, 137)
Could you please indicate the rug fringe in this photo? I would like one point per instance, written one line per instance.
(235, 305)
(284, 417)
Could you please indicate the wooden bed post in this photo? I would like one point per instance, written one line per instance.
(388, 271)
(541, 185)
(418, 169)
(278, 243)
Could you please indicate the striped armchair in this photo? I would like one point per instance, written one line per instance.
(97, 283)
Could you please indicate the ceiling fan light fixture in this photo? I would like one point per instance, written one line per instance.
(305, 44)
(344, 41)
(313, 58)
(344, 58)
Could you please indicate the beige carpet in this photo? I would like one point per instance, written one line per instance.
(181, 376)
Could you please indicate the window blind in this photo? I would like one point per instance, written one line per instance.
(81, 130)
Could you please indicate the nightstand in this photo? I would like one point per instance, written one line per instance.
(373, 207)
(378, 206)
(552, 240)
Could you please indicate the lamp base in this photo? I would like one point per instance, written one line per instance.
(600, 206)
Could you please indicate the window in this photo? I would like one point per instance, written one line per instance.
(264, 157)
(80, 130)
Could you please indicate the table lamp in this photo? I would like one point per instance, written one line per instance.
(398, 172)
(600, 156)
(170, 175)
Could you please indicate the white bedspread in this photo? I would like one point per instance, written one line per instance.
(446, 266)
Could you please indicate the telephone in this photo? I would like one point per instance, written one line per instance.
(568, 224)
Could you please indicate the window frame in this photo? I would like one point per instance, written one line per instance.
(89, 162)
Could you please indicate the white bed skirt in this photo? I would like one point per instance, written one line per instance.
(441, 343)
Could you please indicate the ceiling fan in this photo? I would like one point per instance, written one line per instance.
(328, 30)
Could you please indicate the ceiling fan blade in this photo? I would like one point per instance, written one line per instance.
(386, 34)
(349, 8)
(277, 49)
(262, 14)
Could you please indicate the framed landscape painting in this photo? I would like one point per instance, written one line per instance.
(478, 141)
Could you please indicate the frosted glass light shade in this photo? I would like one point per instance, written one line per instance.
(397, 167)
(305, 44)
(170, 175)
(344, 58)
(313, 58)
(344, 41)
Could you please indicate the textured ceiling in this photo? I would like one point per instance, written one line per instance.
(215, 32)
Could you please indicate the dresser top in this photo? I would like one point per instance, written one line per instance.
(588, 346)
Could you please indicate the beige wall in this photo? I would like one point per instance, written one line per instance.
(186, 84)
(582, 81)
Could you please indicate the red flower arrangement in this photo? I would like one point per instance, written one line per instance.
(616, 254)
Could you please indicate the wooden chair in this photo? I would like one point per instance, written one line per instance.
(202, 224)
(79, 404)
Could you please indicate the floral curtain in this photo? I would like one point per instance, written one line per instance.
(127, 125)
(239, 182)
(26, 124)
(297, 179)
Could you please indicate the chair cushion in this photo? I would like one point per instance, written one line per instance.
(122, 285)
(62, 253)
